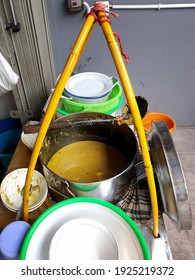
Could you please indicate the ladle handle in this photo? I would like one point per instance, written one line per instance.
(27, 129)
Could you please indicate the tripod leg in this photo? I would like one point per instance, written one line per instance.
(130, 96)
(66, 73)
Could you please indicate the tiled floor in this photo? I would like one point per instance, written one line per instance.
(183, 244)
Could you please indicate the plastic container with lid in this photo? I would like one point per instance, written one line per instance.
(1, 258)
(11, 239)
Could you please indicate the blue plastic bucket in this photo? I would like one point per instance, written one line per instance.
(9, 123)
(8, 142)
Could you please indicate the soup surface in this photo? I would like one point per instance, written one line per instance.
(87, 161)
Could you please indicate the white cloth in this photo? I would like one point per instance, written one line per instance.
(8, 78)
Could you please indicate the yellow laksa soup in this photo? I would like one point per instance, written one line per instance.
(87, 161)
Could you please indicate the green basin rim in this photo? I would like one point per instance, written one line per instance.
(101, 202)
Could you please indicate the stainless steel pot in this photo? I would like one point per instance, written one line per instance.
(120, 137)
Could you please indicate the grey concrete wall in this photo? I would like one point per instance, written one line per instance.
(7, 104)
(161, 46)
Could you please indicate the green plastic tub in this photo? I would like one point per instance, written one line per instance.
(109, 106)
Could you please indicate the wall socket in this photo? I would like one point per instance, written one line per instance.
(74, 5)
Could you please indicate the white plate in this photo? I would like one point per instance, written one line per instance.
(130, 242)
(71, 241)
(29, 139)
(12, 185)
(89, 85)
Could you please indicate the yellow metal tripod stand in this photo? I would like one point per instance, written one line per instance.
(101, 16)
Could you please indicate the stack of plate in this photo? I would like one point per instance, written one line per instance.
(84, 229)
(12, 185)
(89, 87)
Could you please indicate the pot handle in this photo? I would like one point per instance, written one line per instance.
(115, 81)
(62, 96)
(68, 190)
(140, 170)
(66, 97)
(59, 193)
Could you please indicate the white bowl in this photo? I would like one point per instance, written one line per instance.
(13, 184)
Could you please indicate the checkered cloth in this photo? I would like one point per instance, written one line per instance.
(137, 202)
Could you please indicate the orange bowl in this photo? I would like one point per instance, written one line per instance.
(156, 117)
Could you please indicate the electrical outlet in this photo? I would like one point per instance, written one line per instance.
(106, 3)
(74, 5)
